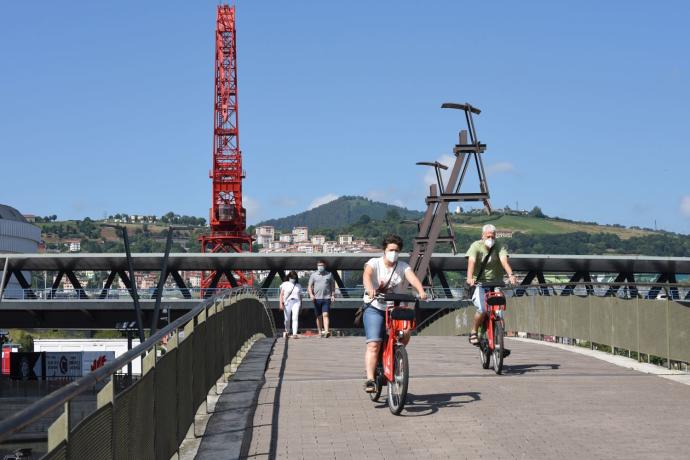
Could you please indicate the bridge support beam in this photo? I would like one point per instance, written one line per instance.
(664, 278)
(24, 284)
(180, 284)
(108, 283)
(444, 282)
(578, 276)
(76, 284)
(339, 282)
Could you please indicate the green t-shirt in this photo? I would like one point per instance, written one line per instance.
(493, 271)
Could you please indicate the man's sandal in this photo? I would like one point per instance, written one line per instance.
(474, 340)
(370, 386)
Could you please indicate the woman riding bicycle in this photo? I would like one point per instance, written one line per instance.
(383, 275)
(492, 259)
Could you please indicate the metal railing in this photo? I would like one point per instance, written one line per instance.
(678, 291)
(651, 319)
(151, 417)
(178, 294)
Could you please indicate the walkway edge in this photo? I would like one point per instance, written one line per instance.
(622, 361)
(230, 421)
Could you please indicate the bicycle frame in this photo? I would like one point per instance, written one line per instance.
(394, 330)
(493, 314)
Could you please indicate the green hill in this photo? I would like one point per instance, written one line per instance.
(542, 226)
(342, 212)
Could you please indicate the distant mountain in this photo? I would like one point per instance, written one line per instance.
(341, 212)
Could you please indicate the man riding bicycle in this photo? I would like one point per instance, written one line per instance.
(491, 258)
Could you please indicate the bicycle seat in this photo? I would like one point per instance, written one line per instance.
(406, 314)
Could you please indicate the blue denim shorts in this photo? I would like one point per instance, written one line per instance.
(321, 306)
(374, 323)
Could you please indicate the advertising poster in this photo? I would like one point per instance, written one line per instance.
(63, 364)
(92, 360)
(27, 365)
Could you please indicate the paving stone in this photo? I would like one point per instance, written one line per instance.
(549, 403)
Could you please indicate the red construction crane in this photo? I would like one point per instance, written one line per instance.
(228, 217)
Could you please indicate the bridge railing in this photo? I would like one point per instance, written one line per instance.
(179, 294)
(650, 319)
(637, 319)
(149, 418)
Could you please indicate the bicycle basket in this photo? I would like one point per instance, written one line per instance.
(404, 314)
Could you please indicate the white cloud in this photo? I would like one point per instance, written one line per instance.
(685, 206)
(430, 174)
(500, 167)
(253, 209)
(322, 200)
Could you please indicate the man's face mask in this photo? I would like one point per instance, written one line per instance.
(321, 268)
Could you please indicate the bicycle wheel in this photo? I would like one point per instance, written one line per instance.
(378, 378)
(397, 389)
(484, 353)
(498, 346)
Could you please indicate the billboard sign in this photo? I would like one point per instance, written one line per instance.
(27, 365)
(63, 364)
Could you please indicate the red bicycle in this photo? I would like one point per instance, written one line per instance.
(393, 366)
(491, 350)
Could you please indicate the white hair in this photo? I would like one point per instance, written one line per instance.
(488, 228)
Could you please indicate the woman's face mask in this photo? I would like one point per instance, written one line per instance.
(293, 280)
(489, 242)
(392, 256)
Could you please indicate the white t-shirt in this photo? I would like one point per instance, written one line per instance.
(380, 276)
(287, 292)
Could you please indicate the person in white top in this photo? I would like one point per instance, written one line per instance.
(383, 275)
(290, 302)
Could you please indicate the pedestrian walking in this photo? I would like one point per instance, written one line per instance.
(290, 303)
(321, 290)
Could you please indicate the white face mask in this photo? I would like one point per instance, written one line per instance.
(489, 242)
(392, 256)
(293, 280)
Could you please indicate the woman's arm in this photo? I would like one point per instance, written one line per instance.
(367, 281)
(414, 281)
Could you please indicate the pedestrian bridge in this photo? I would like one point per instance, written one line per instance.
(227, 388)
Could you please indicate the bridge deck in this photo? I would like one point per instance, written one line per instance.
(549, 403)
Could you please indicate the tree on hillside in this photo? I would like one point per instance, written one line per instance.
(363, 219)
(536, 212)
(393, 215)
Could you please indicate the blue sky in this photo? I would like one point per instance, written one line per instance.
(106, 107)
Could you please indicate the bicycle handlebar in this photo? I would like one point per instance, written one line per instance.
(493, 285)
(390, 297)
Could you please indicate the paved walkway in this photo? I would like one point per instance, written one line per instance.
(550, 403)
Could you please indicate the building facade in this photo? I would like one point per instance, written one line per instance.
(17, 235)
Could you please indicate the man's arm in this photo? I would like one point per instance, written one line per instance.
(507, 268)
(332, 283)
(471, 261)
(310, 287)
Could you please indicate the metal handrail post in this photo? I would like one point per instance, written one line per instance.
(2, 280)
